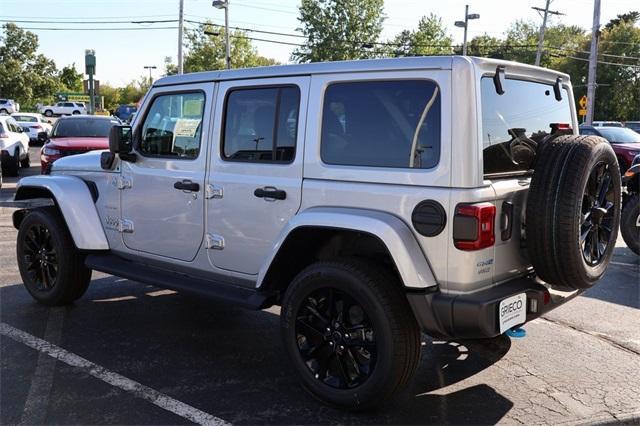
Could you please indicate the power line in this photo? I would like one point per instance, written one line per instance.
(90, 23)
(99, 29)
(599, 62)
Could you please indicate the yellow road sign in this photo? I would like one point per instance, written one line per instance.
(582, 111)
(583, 103)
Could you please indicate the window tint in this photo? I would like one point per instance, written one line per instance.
(524, 112)
(173, 126)
(261, 124)
(69, 104)
(382, 123)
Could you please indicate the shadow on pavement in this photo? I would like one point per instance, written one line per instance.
(229, 362)
(621, 283)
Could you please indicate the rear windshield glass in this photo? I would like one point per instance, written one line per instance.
(619, 135)
(25, 118)
(382, 124)
(83, 127)
(525, 111)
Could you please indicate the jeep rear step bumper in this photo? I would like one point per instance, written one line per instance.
(475, 315)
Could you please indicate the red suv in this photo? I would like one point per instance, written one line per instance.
(625, 142)
(76, 134)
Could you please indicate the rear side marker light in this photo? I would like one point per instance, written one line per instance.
(474, 226)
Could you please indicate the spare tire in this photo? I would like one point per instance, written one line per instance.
(573, 210)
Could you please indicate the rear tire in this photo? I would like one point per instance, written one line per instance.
(51, 267)
(25, 163)
(48, 113)
(630, 224)
(361, 345)
(573, 211)
(12, 164)
(4, 112)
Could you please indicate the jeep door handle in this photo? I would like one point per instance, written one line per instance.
(270, 192)
(187, 185)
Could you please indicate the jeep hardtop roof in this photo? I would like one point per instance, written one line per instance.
(388, 64)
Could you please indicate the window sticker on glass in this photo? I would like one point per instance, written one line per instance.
(192, 107)
(186, 127)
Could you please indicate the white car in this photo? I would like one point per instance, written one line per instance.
(37, 126)
(8, 106)
(14, 146)
(64, 108)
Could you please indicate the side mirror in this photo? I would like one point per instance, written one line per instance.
(120, 140)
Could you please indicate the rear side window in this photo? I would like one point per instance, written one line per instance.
(173, 126)
(261, 124)
(525, 110)
(382, 124)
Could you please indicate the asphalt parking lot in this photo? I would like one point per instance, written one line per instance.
(128, 353)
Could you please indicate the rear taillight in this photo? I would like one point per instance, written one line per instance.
(37, 126)
(473, 226)
(564, 128)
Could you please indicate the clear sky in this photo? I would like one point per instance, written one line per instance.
(121, 55)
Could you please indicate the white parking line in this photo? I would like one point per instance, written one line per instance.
(624, 264)
(159, 399)
(35, 407)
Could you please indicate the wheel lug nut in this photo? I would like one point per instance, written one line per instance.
(342, 348)
(330, 343)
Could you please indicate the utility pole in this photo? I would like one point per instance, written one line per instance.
(180, 35)
(464, 24)
(546, 12)
(224, 4)
(593, 63)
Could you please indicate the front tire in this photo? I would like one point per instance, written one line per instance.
(75, 112)
(630, 224)
(350, 333)
(48, 113)
(51, 267)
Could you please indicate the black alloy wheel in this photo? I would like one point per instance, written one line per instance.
(597, 214)
(336, 338)
(40, 257)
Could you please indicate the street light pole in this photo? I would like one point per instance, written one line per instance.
(150, 67)
(219, 4)
(593, 63)
(465, 24)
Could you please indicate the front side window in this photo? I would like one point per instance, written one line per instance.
(382, 124)
(173, 126)
(524, 112)
(261, 124)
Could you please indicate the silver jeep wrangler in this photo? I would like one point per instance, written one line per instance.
(371, 200)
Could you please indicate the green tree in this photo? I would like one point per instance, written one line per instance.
(25, 75)
(206, 51)
(430, 38)
(71, 79)
(339, 29)
(486, 46)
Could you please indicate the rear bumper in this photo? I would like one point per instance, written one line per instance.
(475, 315)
